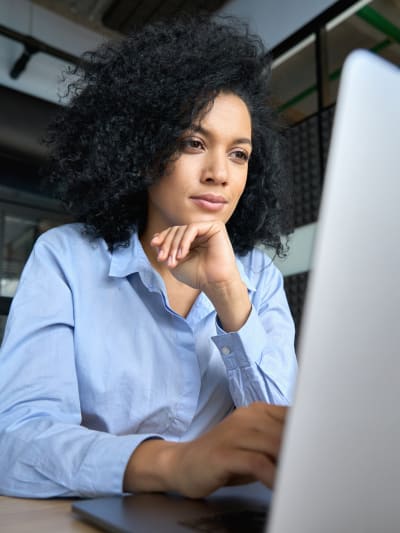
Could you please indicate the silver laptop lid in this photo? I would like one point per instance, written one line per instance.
(340, 466)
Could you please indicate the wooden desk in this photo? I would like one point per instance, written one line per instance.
(19, 515)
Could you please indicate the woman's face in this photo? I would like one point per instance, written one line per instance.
(207, 179)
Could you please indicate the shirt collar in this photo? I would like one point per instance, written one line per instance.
(132, 258)
(127, 260)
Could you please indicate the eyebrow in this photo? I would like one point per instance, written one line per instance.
(204, 131)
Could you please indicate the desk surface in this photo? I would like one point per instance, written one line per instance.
(45, 516)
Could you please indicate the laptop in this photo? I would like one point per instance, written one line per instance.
(340, 463)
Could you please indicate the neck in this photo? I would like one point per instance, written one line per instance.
(151, 253)
(153, 226)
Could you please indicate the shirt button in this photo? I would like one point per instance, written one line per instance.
(225, 350)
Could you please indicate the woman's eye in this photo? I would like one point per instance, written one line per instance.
(241, 155)
(193, 144)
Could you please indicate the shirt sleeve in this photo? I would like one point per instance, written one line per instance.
(260, 358)
(45, 452)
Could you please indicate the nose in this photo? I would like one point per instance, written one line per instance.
(215, 169)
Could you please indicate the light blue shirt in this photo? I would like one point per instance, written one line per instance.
(94, 361)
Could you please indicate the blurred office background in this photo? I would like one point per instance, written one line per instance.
(309, 40)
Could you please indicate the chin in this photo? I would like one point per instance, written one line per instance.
(209, 217)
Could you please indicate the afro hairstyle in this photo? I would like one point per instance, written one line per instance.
(130, 101)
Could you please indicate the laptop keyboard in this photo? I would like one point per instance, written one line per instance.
(229, 522)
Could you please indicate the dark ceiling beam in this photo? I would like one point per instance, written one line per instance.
(118, 12)
(32, 46)
(126, 15)
(167, 9)
(140, 16)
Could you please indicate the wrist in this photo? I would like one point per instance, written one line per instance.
(232, 304)
(152, 467)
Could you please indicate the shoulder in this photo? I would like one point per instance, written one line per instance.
(66, 239)
(265, 283)
(262, 274)
(62, 234)
(67, 249)
(257, 263)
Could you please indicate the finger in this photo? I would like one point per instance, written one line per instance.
(164, 241)
(175, 246)
(259, 435)
(266, 440)
(263, 412)
(251, 465)
(276, 412)
(188, 238)
(198, 234)
(167, 244)
(157, 240)
(253, 428)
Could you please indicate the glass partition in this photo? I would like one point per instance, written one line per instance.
(19, 229)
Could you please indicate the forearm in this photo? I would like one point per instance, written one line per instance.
(42, 459)
(231, 302)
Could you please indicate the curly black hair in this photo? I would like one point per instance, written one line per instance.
(132, 99)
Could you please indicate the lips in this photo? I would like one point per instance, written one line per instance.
(209, 202)
(213, 198)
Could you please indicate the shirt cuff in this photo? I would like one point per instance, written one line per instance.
(106, 463)
(243, 347)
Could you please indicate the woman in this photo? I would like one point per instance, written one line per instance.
(148, 343)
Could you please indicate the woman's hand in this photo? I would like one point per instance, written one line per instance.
(241, 449)
(200, 255)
